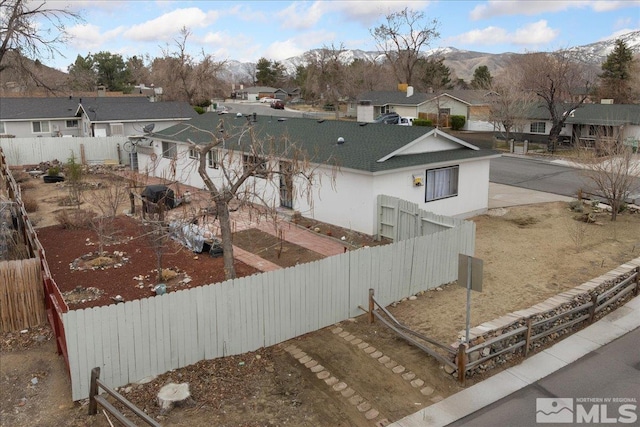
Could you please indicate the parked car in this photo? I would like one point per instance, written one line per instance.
(267, 99)
(406, 121)
(278, 105)
(387, 118)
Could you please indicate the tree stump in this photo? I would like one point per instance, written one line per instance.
(174, 394)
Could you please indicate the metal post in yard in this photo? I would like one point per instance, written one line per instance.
(93, 391)
(371, 305)
(462, 369)
(466, 337)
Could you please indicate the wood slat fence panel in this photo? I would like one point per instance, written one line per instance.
(135, 339)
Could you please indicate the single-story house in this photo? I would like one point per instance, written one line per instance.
(93, 116)
(585, 125)
(358, 161)
(254, 93)
(472, 104)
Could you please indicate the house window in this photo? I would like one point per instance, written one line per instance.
(441, 183)
(537, 127)
(40, 127)
(193, 153)
(212, 159)
(258, 165)
(3, 129)
(71, 124)
(168, 150)
(385, 109)
(117, 129)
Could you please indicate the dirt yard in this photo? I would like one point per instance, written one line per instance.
(530, 253)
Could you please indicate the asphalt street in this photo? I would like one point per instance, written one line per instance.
(608, 377)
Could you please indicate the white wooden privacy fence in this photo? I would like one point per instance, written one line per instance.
(135, 339)
(29, 151)
(399, 219)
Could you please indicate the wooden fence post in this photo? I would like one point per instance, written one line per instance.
(462, 362)
(371, 305)
(636, 291)
(527, 340)
(592, 309)
(93, 391)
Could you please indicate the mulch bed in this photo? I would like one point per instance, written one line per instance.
(269, 247)
(132, 279)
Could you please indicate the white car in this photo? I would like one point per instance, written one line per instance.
(406, 121)
(267, 99)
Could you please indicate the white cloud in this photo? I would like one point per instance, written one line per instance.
(302, 16)
(167, 25)
(87, 37)
(282, 50)
(618, 34)
(367, 12)
(532, 34)
(494, 8)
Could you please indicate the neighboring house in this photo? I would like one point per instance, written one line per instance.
(472, 104)
(254, 93)
(98, 116)
(423, 165)
(586, 124)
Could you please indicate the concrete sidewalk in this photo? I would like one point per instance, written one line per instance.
(623, 320)
(502, 196)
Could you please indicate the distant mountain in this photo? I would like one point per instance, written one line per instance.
(461, 62)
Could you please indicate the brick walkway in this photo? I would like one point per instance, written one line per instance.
(241, 220)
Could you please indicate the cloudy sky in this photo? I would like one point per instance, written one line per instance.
(276, 30)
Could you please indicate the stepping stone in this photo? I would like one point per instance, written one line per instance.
(363, 345)
(391, 364)
(408, 376)
(369, 350)
(348, 392)
(398, 369)
(371, 414)
(356, 341)
(311, 364)
(376, 354)
(300, 355)
(427, 391)
(364, 406)
(436, 399)
(323, 375)
(356, 400)
(336, 330)
(343, 334)
(305, 359)
(290, 348)
(384, 359)
(317, 368)
(340, 386)
(331, 381)
(417, 383)
(349, 338)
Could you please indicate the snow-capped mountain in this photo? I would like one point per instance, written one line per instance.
(461, 62)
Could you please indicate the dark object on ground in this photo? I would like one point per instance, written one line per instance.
(51, 179)
(157, 193)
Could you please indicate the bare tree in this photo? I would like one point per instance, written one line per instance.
(509, 107)
(23, 40)
(244, 174)
(401, 39)
(558, 81)
(183, 77)
(612, 167)
(106, 201)
(325, 74)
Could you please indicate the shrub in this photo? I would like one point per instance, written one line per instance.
(457, 122)
(53, 171)
(199, 109)
(75, 218)
(20, 176)
(422, 122)
(576, 205)
(30, 204)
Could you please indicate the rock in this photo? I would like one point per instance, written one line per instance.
(438, 288)
(34, 380)
(413, 298)
(485, 351)
(173, 394)
(473, 356)
(448, 369)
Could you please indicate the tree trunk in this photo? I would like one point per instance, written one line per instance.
(554, 133)
(222, 209)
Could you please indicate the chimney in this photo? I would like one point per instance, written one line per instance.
(409, 91)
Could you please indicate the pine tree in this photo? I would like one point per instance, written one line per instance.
(616, 77)
(481, 78)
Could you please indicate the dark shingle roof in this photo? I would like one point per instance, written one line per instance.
(362, 147)
(393, 97)
(606, 114)
(134, 108)
(37, 108)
